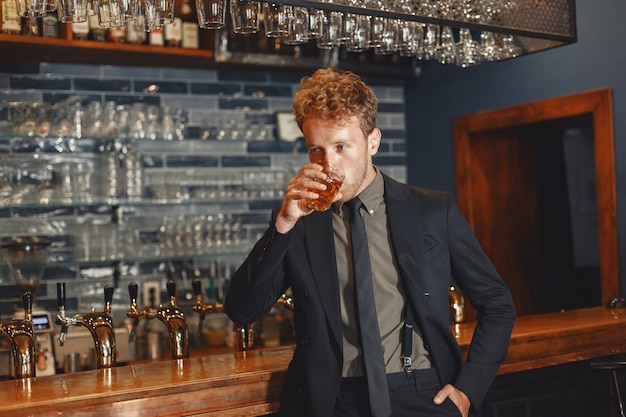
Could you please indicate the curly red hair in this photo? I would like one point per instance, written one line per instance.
(336, 95)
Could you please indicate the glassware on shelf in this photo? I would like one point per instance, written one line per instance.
(245, 15)
(95, 239)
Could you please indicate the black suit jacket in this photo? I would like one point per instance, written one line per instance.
(433, 245)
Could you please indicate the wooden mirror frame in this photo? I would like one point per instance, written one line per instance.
(598, 104)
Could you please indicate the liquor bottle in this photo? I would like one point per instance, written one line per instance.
(190, 28)
(117, 34)
(156, 37)
(96, 32)
(9, 19)
(30, 26)
(133, 35)
(80, 30)
(172, 32)
(50, 25)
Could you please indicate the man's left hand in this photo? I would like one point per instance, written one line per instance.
(457, 397)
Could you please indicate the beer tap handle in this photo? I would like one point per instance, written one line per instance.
(108, 298)
(61, 295)
(196, 284)
(27, 300)
(171, 291)
(61, 316)
(133, 290)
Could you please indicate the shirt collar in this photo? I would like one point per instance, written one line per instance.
(371, 196)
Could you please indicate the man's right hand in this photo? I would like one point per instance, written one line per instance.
(297, 192)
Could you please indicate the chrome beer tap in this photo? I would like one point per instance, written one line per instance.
(99, 324)
(201, 308)
(457, 305)
(22, 337)
(245, 333)
(171, 315)
(285, 301)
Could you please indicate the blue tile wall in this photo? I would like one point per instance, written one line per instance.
(211, 98)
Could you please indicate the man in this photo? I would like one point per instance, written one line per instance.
(417, 243)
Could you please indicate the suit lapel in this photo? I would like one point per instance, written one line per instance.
(320, 247)
(405, 225)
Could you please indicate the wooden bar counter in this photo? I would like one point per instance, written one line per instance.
(248, 383)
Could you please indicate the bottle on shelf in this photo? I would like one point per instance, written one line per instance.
(9, 19)
(133, 35)
(156, 37)
(30, 26)
(190, 28)
(50, 25)
(117, 34)
(96, 32)
(172, 32)
(80, 30)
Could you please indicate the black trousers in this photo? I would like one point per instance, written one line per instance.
(411, 395)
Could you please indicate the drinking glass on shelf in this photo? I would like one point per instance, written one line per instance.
(275, 19)
(148, 15)
(431, 42)
(331, 31)
(347, 27)
(316, 20)
(359, 40)
(509, 49)
(174, 122)
(111, 13)
(389, 39)
(73, 11)
(6, 177)
(298, 26)
(245, 16)
(130, 8)
(96, 239)
(211, 13)
(446, 51)
(31, 8)
(46, 185)
(468, 49)
(488, 47)
(376, 31)
(167, 11)
(410, 38)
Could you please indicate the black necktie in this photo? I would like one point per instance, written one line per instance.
(366, 314)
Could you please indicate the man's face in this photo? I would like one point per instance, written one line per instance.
(342, 144)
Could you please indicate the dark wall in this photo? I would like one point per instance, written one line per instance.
(441, 93)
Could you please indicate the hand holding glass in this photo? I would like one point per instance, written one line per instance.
(333, 180)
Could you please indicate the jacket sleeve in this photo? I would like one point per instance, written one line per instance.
(489, 295)
(259, 281)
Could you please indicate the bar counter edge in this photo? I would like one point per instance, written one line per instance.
(248, 383)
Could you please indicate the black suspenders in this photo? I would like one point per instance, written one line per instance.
(407, 340)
